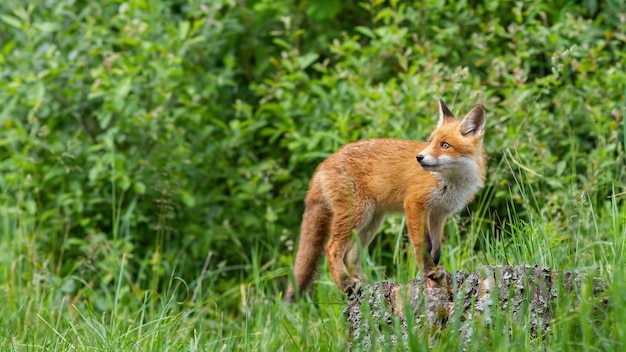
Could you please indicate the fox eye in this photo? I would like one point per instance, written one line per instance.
(445, 145)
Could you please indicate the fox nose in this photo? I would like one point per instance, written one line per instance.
(419, 158)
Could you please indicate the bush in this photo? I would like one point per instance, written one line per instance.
(162, 131)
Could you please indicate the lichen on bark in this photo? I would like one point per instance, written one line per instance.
(377, 313)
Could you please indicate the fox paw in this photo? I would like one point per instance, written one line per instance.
(434, 276)
(290, 297)
(435, 272)
(350, 286)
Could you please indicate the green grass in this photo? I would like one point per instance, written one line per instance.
(128, 310)
(154, 157)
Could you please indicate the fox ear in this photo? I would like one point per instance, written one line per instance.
(473, 124)
(444, 113)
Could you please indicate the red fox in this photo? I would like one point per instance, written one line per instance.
(355, 187)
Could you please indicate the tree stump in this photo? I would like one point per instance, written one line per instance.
(523, 289)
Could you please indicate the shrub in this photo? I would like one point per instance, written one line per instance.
(166, 130)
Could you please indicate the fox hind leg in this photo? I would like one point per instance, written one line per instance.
(342, 251)
(366, 234)
(340, 239)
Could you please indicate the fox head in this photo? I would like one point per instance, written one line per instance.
(455, 147)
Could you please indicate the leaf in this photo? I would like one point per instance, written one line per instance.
(8, 47)
(124, 182)
(183, 30)
(38, 92)
(47, 27)
(93, 173)
(307, 59)
(560, 167)
(124, 87)
(129, 41)
(196, 40)
(187, 198)
(11, 21)
(282, 43)
(366, 31)
(385, 14)
(270, 215)
(104, 118)
(139, 187)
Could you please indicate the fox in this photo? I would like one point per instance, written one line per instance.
(354, 188)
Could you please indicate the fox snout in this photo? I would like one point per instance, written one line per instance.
(430, 163)
(425, 161)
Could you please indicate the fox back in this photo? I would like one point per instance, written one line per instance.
(355, 187)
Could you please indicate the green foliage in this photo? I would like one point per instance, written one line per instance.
(139, 140)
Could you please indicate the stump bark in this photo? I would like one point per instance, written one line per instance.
(528, 290)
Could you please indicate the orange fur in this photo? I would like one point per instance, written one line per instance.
(355, 187)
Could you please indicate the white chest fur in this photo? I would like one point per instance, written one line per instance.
(456, 188)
